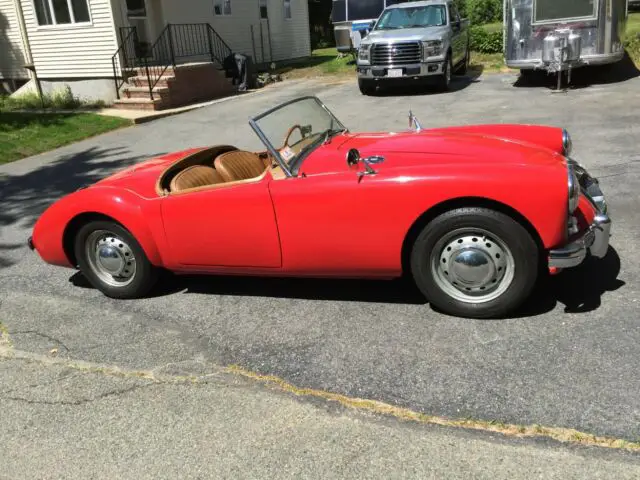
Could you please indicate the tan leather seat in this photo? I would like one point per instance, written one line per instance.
(195, 176)
(239, 165)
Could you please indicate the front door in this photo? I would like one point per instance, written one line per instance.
(226, 226)
(137, 16)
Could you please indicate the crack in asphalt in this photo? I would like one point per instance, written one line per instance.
(41, 384)
(40, 334)
(77, 402)
(563, 435)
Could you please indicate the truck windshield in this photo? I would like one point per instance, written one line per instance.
(412, 17)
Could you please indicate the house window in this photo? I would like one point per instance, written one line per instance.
(287, 9)
(222, 7)
(61, 12)
(263, 9)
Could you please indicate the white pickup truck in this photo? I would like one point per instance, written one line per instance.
(423, 40)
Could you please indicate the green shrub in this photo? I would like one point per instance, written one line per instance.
(480, 12)
(462, 7)
(485, 42)
(632, 46)
(62, 99)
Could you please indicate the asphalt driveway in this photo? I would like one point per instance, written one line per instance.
(568, 359)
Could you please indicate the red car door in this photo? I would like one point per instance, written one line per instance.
(230, 226)
(333, 224)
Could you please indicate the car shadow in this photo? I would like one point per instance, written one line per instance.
(579, 289)
(583, 77)
(23, 197)
(404, 88)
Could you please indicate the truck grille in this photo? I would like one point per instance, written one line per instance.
(402, 53)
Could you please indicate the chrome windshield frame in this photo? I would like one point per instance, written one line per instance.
(289, 170)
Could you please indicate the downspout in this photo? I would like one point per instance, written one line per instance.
(23, 31)
(30, 67)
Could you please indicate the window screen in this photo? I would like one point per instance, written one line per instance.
(556, 9)
(338, 11)
(365, 9)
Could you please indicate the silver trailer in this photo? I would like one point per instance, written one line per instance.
(558, 35)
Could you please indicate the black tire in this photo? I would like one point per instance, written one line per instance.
(138, 284)
(444, 80)
(523, 269)
(367, 87)
(465, 64)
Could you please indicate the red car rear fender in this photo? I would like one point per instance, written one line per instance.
(54, 231)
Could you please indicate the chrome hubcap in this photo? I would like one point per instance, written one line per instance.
(472, 265)
(110, 258)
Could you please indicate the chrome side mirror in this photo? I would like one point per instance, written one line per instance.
(353, 158)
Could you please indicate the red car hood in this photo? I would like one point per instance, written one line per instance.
(457, 145)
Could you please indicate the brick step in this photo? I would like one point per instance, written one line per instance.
(139, 104)
(141, 81)
(153, 69)
(143, 92)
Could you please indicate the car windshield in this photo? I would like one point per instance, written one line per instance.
(294, 129)
(412, 17)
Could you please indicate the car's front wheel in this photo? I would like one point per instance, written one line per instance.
(444, 80)
(475, 262)
(113, 261)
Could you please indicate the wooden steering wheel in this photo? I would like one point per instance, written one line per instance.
(291, 130)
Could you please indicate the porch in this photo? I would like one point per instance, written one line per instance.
(185, 64)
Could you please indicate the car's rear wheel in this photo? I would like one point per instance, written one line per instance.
(113, 261)
(475, 262)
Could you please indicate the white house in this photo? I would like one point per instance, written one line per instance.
(72, 42)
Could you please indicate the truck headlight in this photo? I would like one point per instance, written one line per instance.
(363, 53)
(567, 144)
(574, 188)
(431, 48)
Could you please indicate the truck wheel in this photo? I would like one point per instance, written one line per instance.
(367, 87)
(475, 262)
(113, 261)
(465, 64)
(444, 81)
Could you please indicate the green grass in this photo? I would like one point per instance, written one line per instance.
(62, 99)
(323, 62)
(633, 24)
(25, 134)
(493, 27)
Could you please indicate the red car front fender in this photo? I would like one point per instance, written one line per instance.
(139, 216)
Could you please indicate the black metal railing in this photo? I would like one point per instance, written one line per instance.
(124, 56)
(177, 43)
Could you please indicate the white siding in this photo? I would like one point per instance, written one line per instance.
(289, 38)
(11, 46)
(73, 51)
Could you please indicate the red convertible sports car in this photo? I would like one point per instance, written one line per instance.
(473, 214)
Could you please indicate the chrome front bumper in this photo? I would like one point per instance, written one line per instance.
(414, 70)
(594, 240)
